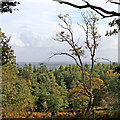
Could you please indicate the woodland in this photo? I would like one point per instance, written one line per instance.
(77, 91)
(36, 92)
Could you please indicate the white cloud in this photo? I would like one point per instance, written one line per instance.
(33, 39)
(36, 23)
(15, 41)
(28, 38)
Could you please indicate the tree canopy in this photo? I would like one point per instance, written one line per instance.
(83, 89)
(7, 5)
(6, 50)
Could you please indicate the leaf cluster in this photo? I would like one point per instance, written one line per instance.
(7, 6)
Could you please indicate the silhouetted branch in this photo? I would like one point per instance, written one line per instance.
(104, 59)
(67, 55)
(113, 2)
(103, 12)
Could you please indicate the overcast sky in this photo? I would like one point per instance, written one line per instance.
(36, 23)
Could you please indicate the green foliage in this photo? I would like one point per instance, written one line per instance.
(114, 90)
(30, 76)
(64, 74)
(32, 88)
(16, 96)
(54, 95)
(59, 89)
(39, 89)
(7, 52)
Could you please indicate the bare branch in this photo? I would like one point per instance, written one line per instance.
(113, 2)
(92, 37)
(104, 59)
(62, 53)
(67, 54)
(105, 13)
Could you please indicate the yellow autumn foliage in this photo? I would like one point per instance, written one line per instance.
(97, 82)
(53, 78)
(110, 74)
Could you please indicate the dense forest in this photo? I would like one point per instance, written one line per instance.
(37, 92)
(69, 92)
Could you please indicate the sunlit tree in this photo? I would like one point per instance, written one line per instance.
(77, 52)
(6, 50)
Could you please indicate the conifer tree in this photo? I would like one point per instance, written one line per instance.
(7, 52)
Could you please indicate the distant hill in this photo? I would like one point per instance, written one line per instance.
(45, 63)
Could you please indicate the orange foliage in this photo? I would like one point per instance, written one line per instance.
(40, 115)
(78, 89)
(96, 82)
(109, 74)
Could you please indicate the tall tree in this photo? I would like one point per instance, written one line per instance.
(6, 51)
(17, 99)
(76, 51)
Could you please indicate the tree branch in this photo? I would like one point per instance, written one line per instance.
(62, 53)
(95, 8)
(114, 2)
